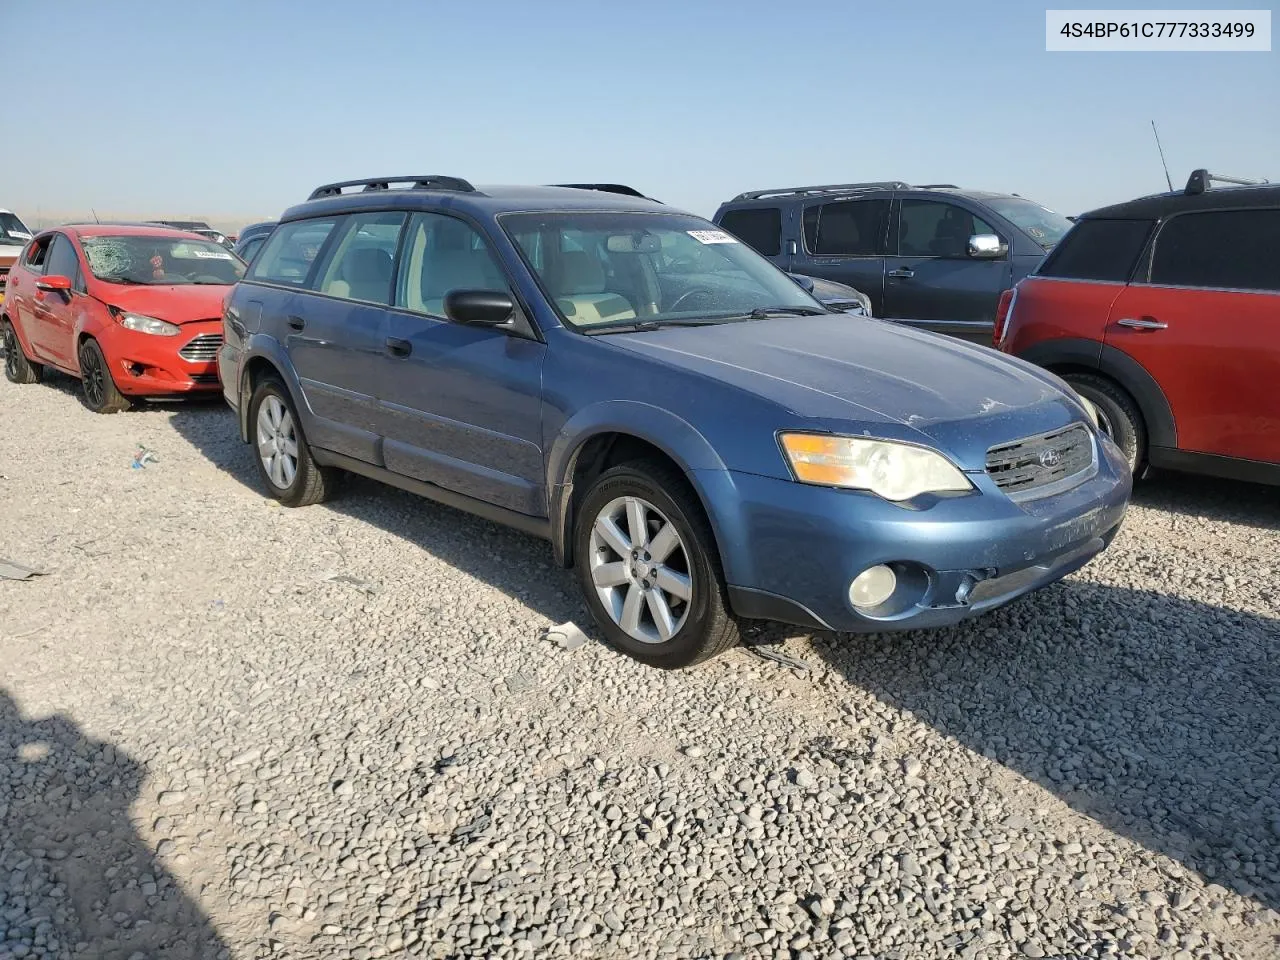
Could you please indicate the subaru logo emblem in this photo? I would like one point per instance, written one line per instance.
(1050, 458)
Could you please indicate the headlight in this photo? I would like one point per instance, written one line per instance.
(136, 321)
(1089, 408)
(894, 471)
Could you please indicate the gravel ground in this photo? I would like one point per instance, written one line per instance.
(229, 729)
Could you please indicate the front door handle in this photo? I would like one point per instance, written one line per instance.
(399, 348)
(296, 323)
(905, 273)
(1142, 323)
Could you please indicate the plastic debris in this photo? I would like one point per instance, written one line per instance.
(567, 635)
(16, 571)
(777, 656)
(143, 457)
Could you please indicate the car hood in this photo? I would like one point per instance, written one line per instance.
(863, 375)
(179, 303)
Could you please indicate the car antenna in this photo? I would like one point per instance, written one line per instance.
(1167, 178)
(95, 215)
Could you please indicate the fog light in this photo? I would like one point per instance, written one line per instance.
(872, 587)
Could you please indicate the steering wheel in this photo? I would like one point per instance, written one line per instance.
(679, 301)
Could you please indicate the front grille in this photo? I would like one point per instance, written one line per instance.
(203, 349)
(1043, 465)
(209, 378)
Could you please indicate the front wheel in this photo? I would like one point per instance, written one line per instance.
(648, 566)
(1118, 416)
(284, 460)
(100, 392)
(17, 368)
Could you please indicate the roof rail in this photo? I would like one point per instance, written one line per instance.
(429, 181)
(1201, 179)
(938, 186)
(828, 188)
(621, 188)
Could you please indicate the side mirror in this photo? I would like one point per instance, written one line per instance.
(805, 283)
(985, 246)
(54, 282)
(480, 308)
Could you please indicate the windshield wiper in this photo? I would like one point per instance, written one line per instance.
(764, 313)
(128, 280)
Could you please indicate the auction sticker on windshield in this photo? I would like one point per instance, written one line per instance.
(711, 236)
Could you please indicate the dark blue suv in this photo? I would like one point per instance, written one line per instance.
(694, 433)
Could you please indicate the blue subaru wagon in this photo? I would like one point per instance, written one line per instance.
(700, 439)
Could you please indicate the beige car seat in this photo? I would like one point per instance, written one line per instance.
(580, 292)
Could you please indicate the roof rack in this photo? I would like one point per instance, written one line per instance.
(621, 188)
(1201, 179)
(829, 188)
(429, 181)
(938, 186)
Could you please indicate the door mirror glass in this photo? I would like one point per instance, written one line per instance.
(55, 282)
(985, 246)
(483, 308)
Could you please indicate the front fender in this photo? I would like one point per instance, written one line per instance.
(257, 349)
(674, 436)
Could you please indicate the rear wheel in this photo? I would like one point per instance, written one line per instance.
(649, 569)
(100, 392)
(1118, 416)
(17, 368)
(284, 460)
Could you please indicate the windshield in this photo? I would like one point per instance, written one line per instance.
(1043, 225)
(13, 230)
(160, 261)
(610, 269)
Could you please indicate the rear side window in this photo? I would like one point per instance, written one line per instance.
(759, 227)
(1105, 250)
(851, 228)
(1231, 249)
(363, 259)
(38, 253)
(290, 253)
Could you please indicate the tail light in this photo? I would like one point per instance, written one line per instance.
(1004, 310)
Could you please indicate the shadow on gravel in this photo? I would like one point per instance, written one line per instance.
(517, 564)
(1248, 504)
(75, 877)
(1156, 716)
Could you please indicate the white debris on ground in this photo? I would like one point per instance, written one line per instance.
(229, 729)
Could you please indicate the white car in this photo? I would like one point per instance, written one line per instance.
(13, 237)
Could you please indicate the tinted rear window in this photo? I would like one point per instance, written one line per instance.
(758, 227)
(1232, 249)
(1098, 250)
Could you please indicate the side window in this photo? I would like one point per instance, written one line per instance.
(1098, 250)
(811, 227)
(1229, 249)
(851, 228)
(62, 260)
(759, 227)
(363, 259)
(38, 253)
(250, 248)
(931, 228)
(443, 254)
(290, 253)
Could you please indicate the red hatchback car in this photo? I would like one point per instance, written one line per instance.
(133, 311)
(1165, 313)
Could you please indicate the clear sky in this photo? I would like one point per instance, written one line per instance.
(238, 108)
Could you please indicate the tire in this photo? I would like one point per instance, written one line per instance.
(100, 392)
(17, 368)
(1118, 416)
(285, 464)
(697, 627)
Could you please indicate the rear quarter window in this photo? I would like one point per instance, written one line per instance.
(1099, 250)
(288, 257)
(1224, 249)
(758, 227)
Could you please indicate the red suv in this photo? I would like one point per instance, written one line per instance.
(132, 311)
(1165, 313)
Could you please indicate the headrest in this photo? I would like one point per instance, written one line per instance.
(368, 264)
(580, 272)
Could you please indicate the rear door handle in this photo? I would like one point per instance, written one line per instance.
(905, 273)
(1142, 323)
(399, 348)
(297, 323)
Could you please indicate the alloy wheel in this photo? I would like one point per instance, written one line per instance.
(277, 442)
(641, 571)
(10, 352)
(92, 374)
